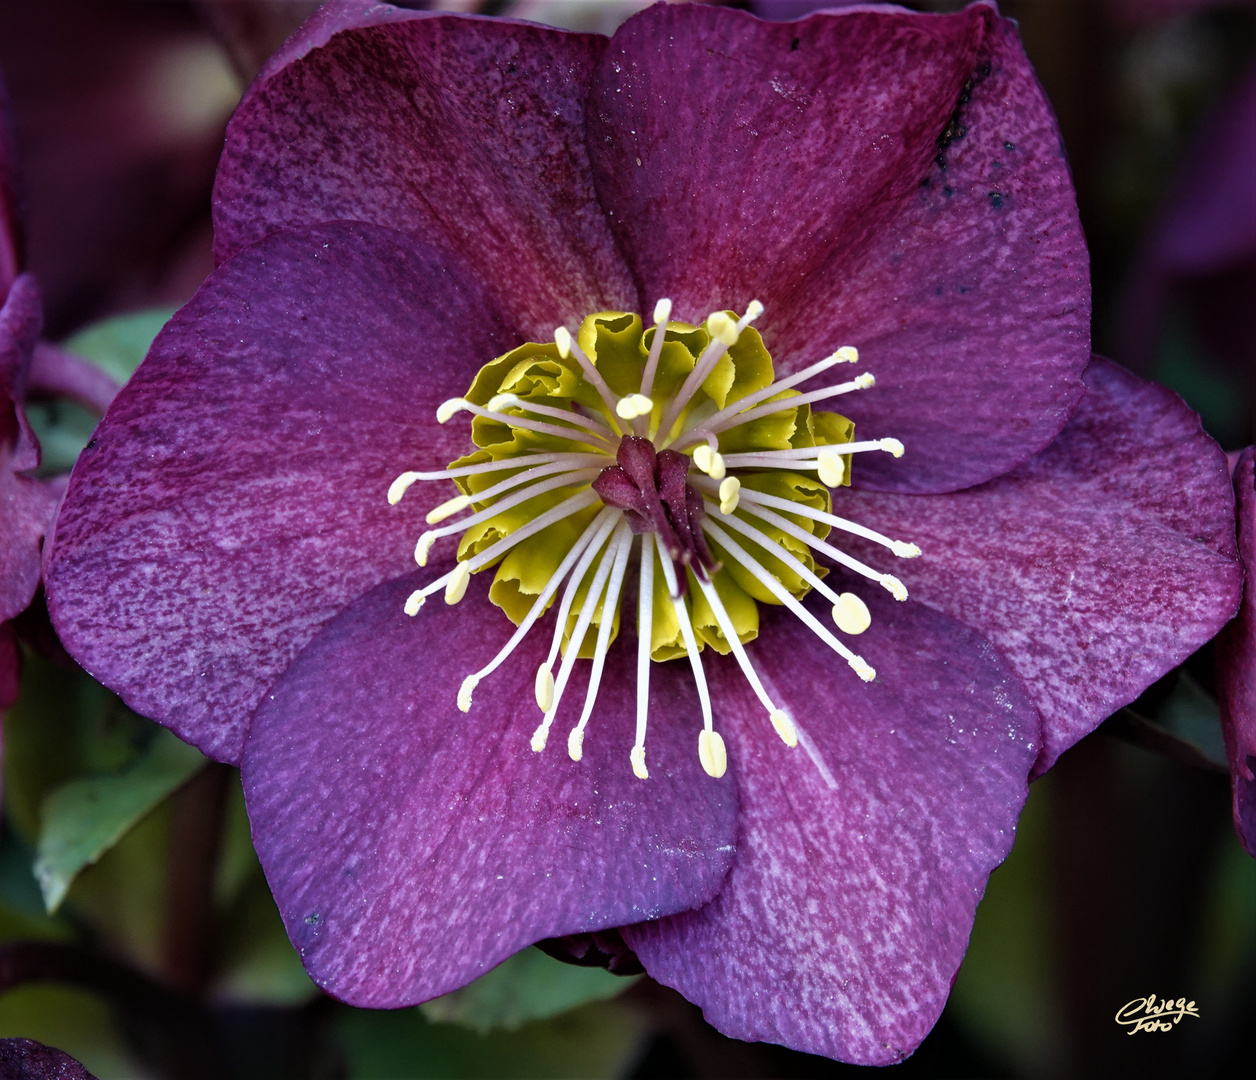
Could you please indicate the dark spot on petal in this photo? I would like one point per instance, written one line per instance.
(793, 45)
(940, 162)
(1009, 146)
(312, 919)
(937, 290)
(996, 200)
(965, 289)
(948, 191)
(996, 164)
(91, 443)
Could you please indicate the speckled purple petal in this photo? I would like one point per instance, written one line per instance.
(1236, 667)
(26, 1059)
(233, 499)
(411, 847)
(27, 507)
(882, 179)
(1095, 567)
(864, 850)
(465, 132)
(21, 319)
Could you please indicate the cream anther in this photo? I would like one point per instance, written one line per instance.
(662, 312)
(544, 688)
(712, 754)
(400, 486)
(504, 401)
(784, 727)
(466, 690)
(634, 405)
(862, 668)
(562, 338)
(575, 744)
(448, 408)
(892, 446)
(866, 381)
(424, 547)
(753, 310)
(637, 757)
(540, 737)
(895, 587)
(730, 494)
(851, 614)
(702, 457)
(832, 468)
(415, 601)
(456, 587)
(904, 550)
(710, 461)
(448, 508)
(722, 328)
(847, 354)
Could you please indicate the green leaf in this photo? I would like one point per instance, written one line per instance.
(599, 1040)
(1193, 716)
(84, 818)
(528, 986)
(117, 345)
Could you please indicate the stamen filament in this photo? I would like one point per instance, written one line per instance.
(662, 313)
(686, 632)
(513, 401)
(575, 741)
(567, 345)
(900, 548)
(537, 610)
(645, 631)
(843, 355)
(528, 457)
(574, 643)
(807, 457)
(860, 666)
(724, 335)
(501, 505)
(792, 402)
(887, 581)
(577, 435)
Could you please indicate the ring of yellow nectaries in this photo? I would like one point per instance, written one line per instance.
(678, 442)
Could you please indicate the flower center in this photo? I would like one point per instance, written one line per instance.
(680, 436)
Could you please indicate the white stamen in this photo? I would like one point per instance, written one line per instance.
(577, 435)
(446, 410)
(751, 506)
(784, 727)
(686, 632)
(711, 753)
(791, 402)
(730, 494)
(571, 460)
(606, 518)
(456, 588)
(400, 486)
(466, 690)
(723, 329)
(900, 548)
(645, 631)
(415, 601)
(576, 640)
(705, 365)
(784, 596)
(895, 587)
(662, 313)
(567, 346)
(847, 354)
(570, 416)
(610, 605)
(832, 469)
(851, 614)
(448, 508)
(808, 457)
(575, 743)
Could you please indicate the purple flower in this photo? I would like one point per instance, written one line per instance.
(404, 198)
(1237, 667)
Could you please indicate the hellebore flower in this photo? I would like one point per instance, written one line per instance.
(407, 207)
(1236, 663)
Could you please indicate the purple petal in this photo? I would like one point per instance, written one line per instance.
(57, 373)
(257, 442)
(468, 133)
(27, 507)
(1236, 667)
(1096, 566)
(411, 847)
(21, 319)
(26, 1059)
(877, 178)
(864, 850)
